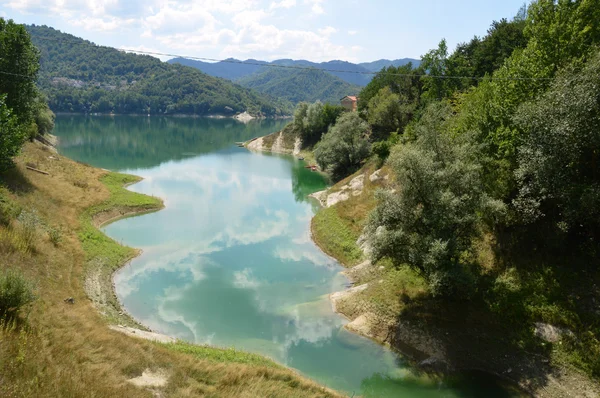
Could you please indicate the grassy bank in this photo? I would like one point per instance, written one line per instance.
(63, 349)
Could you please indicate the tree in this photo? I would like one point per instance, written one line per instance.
(19, 61)
(431, 221)
(388, 112)
(558, 170)
(12, 134)
(311, 121)
(344, 146)
(403, 80)
(435, 62)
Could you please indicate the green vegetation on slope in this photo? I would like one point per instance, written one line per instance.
(79, 76)
(299, 85)
(493, 204)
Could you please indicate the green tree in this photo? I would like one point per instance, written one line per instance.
(558, 164)
(12, 134)
(19, 62)
(435, 62)
(344, 146)
(430, 222)
(402, 80)
(388, 112)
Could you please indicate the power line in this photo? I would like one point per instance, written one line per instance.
(16, 74)
(298, 67)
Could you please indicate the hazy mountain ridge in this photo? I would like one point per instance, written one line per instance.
(233, 69)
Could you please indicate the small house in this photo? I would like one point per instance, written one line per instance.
(350, 102)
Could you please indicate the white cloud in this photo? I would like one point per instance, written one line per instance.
(245, 280)
(282, 4)
(102, 24)
(210, 28)
(316, 6)
(352, 32)
(327, 31)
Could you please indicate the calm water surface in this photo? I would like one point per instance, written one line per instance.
(229, 261)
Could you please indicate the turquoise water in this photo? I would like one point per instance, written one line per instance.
(229, 261)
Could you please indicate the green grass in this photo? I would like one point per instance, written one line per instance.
(335, 237)
(103, 254)
(222, 354)
(95, 243)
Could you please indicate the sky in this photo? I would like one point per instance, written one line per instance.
(315, 30)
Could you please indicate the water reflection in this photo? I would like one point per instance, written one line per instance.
(229, 261)
(119, 142)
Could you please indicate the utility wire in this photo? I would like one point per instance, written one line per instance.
(296, 67)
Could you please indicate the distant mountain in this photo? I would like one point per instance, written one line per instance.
(298, 85)
(233, 69)
(376, 66)
(79, 76)
(230, 69)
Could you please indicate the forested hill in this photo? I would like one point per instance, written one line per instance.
(300, 85)
(79, 76)
(233, 69)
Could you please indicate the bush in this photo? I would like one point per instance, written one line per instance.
(431, 221)
(8, 209)
(15, 293)
(29, 221)
(344, 147)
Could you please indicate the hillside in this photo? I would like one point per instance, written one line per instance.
(79, 76)
(299, 85)
(234, 69)
(378, 65)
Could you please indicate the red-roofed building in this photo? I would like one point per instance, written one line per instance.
(350, 102)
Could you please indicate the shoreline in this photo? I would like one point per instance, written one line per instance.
(98, 222)
(177, 115)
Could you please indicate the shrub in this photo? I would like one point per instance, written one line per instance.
(55, 235)
(15, 293)
(8, 209)
(29, 221)
(344, 147)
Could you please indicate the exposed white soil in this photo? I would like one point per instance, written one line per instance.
(142, 334)
(244, 117)
(151, 379)
(256, 145)
(297, 146)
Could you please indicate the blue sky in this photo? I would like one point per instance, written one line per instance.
(317, 30)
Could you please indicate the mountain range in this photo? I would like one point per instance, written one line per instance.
(80, 76)
(234, 69)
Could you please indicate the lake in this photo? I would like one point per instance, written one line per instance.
(229, 261)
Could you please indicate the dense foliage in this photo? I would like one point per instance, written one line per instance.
(300, 85)
(343, 148)
(311, 121)
(79, 76)
(23, 111)
(558, 173)
(432, 221)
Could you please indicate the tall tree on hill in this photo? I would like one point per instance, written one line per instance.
(19, 64)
